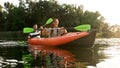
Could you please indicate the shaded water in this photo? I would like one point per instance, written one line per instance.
(105, 54)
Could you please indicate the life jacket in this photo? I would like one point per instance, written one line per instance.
(53, 32)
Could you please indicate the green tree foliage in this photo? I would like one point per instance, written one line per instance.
(70, 15)
(105, 31)
(27, 13)
(1, 18)
(15, 17)
(0, 8)
(93, 18)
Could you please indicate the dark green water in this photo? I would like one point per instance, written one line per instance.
(105, 54)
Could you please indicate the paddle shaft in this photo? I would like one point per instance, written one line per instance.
(84, 27)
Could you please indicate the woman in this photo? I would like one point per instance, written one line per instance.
(36, 32)
(53, 30)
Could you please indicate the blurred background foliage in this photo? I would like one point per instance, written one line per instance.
(29, 12)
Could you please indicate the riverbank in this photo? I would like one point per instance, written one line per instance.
(12, 35)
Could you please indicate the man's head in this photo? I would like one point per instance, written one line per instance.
(55, 22)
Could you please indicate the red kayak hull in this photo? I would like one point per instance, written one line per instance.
(56, 41)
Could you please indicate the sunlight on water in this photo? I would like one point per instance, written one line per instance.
(110, 63)
(113, 62)
(112, 52)
(9, 62)
(109, 41)
(9, 43)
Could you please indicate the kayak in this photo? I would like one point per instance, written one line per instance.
(84, 42)
(57, 41)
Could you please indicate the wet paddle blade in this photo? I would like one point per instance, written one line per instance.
(28, 30)
(84, 27)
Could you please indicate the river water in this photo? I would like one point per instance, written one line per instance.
(105, 54)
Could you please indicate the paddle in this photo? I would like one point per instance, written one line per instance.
(50, 20)
(83, 27)
(29, 30)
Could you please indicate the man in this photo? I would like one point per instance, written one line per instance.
(53, 30)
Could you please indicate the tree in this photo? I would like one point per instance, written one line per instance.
(30, 12)
(106, 33)
(14, 18)
(116, 30)
(2, 19)
(93, 18)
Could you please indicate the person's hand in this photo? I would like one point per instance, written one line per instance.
(29, 37)
(41, 27)
(63, 30)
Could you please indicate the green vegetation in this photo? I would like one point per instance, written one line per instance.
(27, 58)
(27, 13)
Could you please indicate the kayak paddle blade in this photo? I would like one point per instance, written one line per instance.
(28, 30)
(84, 27)
(50, 20)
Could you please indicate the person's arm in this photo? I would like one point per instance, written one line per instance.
(36, 33)
(43, 32)
(63, 31)
(28, 37)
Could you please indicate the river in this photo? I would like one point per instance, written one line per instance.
(105, 54)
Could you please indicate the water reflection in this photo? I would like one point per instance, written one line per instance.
(87, 56)
(105, 54)
(112, 60)
(53, 57)
(10, 57)
(15, 56)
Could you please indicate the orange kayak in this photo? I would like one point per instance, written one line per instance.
(56, 41)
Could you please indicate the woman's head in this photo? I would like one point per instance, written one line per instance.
(35, 27)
